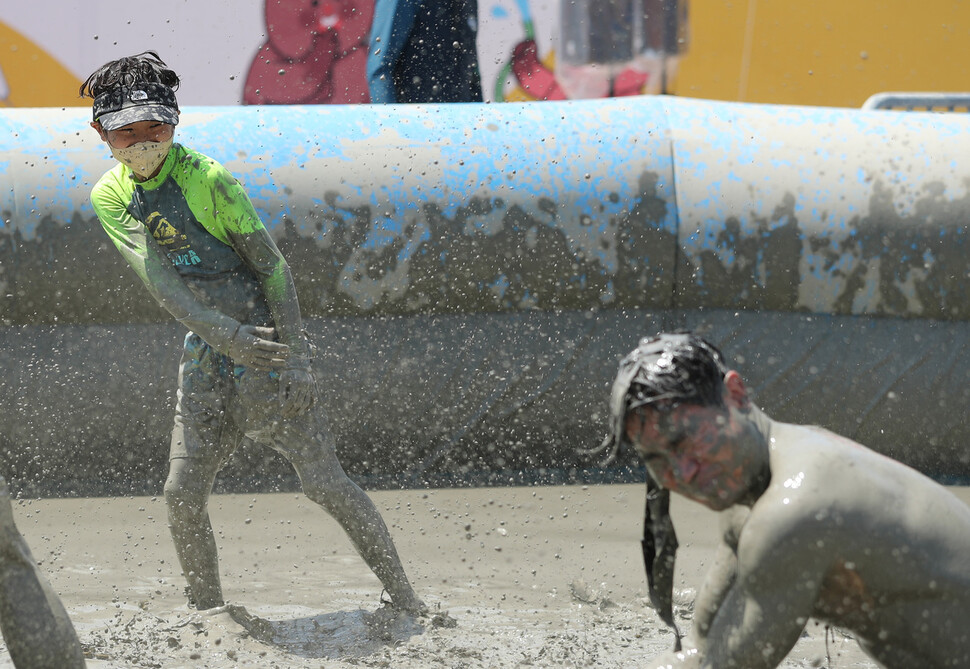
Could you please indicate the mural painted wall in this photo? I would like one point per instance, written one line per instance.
(23, 65)
(227, 50)
(828, 52)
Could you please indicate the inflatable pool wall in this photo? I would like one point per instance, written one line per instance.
(472, 273)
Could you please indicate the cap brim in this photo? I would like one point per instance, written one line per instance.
(135, 113)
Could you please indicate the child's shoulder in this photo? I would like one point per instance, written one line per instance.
(114, 180)
(200, 166)
(196, 159)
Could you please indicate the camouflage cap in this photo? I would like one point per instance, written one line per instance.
(141, 101)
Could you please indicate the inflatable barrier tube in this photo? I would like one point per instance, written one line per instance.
(500, 258)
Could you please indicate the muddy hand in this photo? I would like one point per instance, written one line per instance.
(297, 391)
(253, 346)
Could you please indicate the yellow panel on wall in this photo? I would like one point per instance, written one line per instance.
(824, 52)
(29, 77)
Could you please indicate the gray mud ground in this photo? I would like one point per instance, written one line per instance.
(530, 577)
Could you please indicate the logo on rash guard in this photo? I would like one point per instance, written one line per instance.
(165, 233)
(190, 258)
(174, 243)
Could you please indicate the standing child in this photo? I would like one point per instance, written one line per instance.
(190, 232)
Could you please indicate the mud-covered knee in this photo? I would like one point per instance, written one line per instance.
(183, 499)
(320, 491)
(331, 490)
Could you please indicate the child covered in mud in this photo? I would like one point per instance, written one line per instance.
(189, 231)
(814, 524)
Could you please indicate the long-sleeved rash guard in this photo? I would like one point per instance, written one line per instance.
(195, 240)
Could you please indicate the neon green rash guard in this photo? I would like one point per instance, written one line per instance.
(195, 240)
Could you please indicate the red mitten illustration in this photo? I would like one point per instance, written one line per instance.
(630, 82)
(534, 77)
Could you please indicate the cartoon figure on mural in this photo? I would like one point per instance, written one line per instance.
(315, 53)
(606, 48)
(526, 76)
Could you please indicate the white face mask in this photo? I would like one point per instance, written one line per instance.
(144, 157)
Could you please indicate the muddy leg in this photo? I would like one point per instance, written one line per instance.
(187, 496)
(35, 625)
(325, 482)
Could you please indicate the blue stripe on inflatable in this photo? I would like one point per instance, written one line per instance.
(397, 159)
(652, 201)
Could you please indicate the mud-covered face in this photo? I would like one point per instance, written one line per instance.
(136, 133)
(142, 145)
(700, 452)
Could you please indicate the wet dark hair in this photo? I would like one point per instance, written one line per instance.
(663, 372)
(145, 67)
(675, 369)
